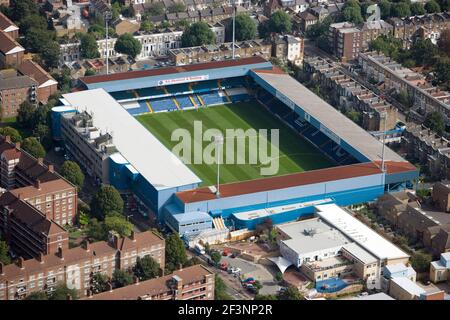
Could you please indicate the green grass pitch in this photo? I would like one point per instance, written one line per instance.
(295, 155)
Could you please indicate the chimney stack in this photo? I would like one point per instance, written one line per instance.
(20, 263)
(40, 257)
(110, 287)
(181, 266)
(51, 168)
(60, 253)
(89, 293)
(37, 184)
(18, 145)
(132, 237)
(136, 280)
(68, 296)
(7, 139)
(87, 246)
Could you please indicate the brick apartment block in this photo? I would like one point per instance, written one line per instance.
(14, 90)
(7, 26)
(46, 85)
(192, 283)
(28, 232)
(11, 52)
(75, 267)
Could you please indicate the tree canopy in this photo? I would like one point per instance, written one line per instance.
(128, 45)
(197, 34)
(37, 295)
(420, 261)
(280, 22)
(106, 200)
(417, 9)
(33, 147)
(89, 46)
(117, 222)
(62, 292)
(100, 283)
(121, 278)
(4, 257)
(435, 122)
(175, 252)
(72, 172)
(291, 293)
(13, 133)
(146, 268)
(352, 12)
(245, 27)
(432, 6)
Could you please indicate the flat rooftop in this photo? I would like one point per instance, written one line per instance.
(364, 236)
(328, 116)
(138, 146)
(312, 235)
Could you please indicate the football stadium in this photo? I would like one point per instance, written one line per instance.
(323, 156)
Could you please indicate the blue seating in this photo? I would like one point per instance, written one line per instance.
(204, 86)
(143, 108)
(240, 98)
(184, 102)
(163, 104)
(213, 98)
(149, 92)
(233, 82)
(178, 88)
(122, 95)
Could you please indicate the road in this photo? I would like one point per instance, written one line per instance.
(233, 285)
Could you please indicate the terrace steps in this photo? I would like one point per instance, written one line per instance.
(149, 106)
(193, 101)
(218, 223)
(201, 100)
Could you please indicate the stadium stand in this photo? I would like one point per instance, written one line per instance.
(213, 98)
(150, 92)
(205, 86)
(136, 107)
(122, 95)
(163, 104)
(178, 88)
(184, 102)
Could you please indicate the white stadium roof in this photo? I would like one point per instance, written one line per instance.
(157, 164)
(331, 118)
(359, 232)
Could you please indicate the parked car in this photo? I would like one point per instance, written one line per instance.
(225, 252)
(224, 266)
(235, 270)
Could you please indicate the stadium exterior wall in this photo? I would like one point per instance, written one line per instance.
(343, 192)
(155, 81)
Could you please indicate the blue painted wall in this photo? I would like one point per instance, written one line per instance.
(152, 81)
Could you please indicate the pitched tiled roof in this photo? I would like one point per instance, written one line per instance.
(5, 22)
(35, 71)
(153, 286)
(29, 215)
(7, 43)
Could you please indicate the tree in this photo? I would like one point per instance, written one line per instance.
(265, 225)
(147, 26)
(245, 27)
(385, 9)
(25, 114)
(117, 222)
(197, 34)
(100, 283)
(33, 21)
(405, 98)
(96, 230)
(420, 261)
(444, 4)
(435, 122)
(423, 52)
(417, 9)
(278, 277)
(128, 45)
(353, 115)
(291, 293)
(82, 219)
(89, 72)
(177, 7)
(89, 46)
(352, 12)
(37, 295)
(4, 257)
(13, 133)
(33, 147)
(280, 22)
(146, 268)
(72, 172)
(22, 9)
(400, 10)
(215, 257)
(156, 9)
(442, 72)
(220, 292)
(62, 292)
(432, 6)
(106, 200)
(121, 278)
(444, 42)
(175, 252)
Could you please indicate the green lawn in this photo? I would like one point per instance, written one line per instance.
(296, 154)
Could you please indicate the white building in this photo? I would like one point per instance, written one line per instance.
(153, 44)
